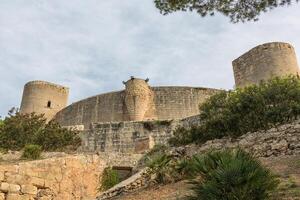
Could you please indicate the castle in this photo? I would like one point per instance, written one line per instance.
(140, 102)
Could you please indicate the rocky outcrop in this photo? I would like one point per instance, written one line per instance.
(282, 140)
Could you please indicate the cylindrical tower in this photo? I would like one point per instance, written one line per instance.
(138, 97)
(264, 62)
(44, 98)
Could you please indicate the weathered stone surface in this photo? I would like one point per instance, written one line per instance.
(29, 189)
(131, 137)
(4, 187)
(69, 178)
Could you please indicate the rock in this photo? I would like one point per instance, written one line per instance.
(29, 189)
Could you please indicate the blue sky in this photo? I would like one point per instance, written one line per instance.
(91, 46)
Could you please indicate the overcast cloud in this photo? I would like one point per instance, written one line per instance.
(91, 46)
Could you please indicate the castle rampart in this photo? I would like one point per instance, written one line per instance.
(168, 103)
(44, 98)
(264, 62)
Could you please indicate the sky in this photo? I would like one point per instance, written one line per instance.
(91, 46)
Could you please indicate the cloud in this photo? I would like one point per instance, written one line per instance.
(92, 46)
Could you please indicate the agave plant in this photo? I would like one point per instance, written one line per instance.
(231, 175)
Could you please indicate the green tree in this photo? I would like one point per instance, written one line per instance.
(230, 175)
(18, 130)
(237, 11)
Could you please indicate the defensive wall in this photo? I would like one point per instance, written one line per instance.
(131, 136)
(168, 103)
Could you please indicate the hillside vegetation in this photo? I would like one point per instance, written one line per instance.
(249, 109)
(18, 130)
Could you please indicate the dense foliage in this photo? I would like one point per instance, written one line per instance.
(109, 179)
(231, 175)
(249, 109)
(19, 130)
(237, 11)
(32, 152)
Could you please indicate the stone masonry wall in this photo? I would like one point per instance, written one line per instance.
(127, 137)
(67, 178)
(169, 103)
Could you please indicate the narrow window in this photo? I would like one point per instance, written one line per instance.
(49, 104)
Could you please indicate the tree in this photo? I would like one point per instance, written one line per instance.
(236, 10)
(18, 130)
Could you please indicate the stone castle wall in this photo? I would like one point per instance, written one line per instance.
(44, 98)
(264, 62)
(169, 103)
(131, 137)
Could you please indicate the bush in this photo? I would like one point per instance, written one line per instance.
(231, 175)
(32, 152)
(18, 130)
(109, 179)
(249, 109)
(53, 137)
(168, 167)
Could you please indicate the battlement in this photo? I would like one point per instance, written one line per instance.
(39, 83)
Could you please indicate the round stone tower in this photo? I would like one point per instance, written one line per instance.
(264, 62)
(138, 98)
(44, 98)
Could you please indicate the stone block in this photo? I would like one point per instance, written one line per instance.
(2, 196)
(4, 187)
(11, 196)
(13, 188)
(38, 182)
(2, 177)
(29, 189)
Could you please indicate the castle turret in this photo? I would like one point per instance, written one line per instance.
(138, 98)
(44, 98)
(264, 62)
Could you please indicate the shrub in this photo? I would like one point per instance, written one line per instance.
(53, 137)
(183, 136)
(157, 150)
(231, 175)
(109, 179)
(168, 167)
(249, 109)
(160, 166)
(19, 130)
(32, 152)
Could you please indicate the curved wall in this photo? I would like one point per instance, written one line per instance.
(44, 98)
(264, 62)
(168, 103)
